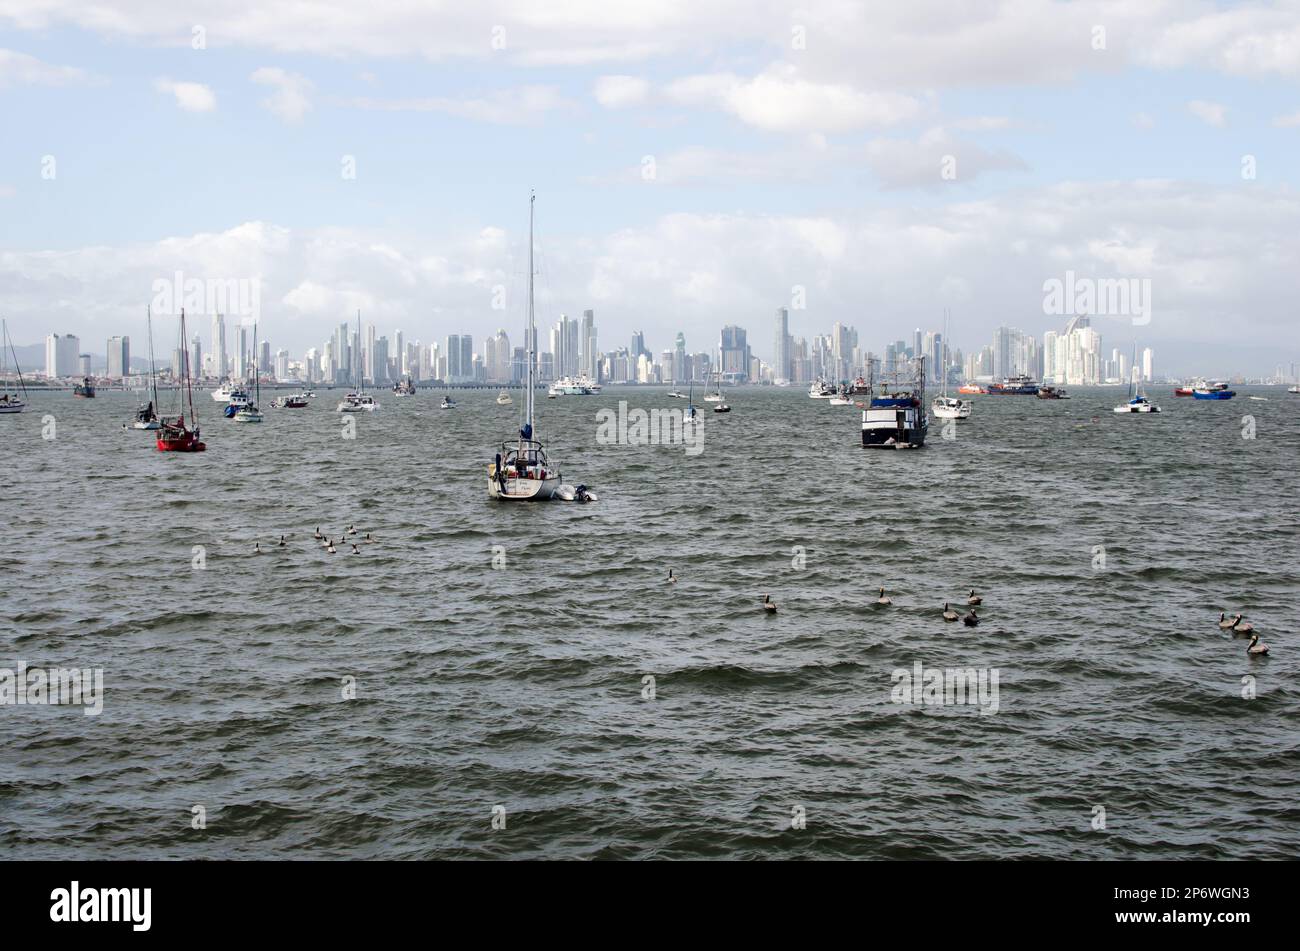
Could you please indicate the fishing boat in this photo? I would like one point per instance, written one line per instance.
(972, 389)
(358, 401)
(722, 408)
(404, 387)
(819, 390)
(521, 471)
(11, 401)
(1184, 390)
(895, 418)
(293, 401)
(503, 399)
(173, 433)
(447, 402)
(226, 391)
(1293, 389)
(1052, 393)
(841, 398)
(674, 395)
(238, 398)
(85, 390)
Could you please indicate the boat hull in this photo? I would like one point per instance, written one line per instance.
(523, 489)
(1213, 394)
(12, 408)
(893, 426)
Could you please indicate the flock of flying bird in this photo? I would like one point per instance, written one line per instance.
(326, 542)
(1256, 647)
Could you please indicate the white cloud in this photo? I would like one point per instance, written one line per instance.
(617, 92)
(192, 97)
(19, 69)
(1141, 120)
(291, 99)
(924, 161)
(782, 100)
(1211, 113)
(984, 123)
(1287, 122)
(522, 105)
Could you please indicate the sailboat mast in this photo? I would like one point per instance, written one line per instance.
(153, 371)
(532, 331)
(189, 389)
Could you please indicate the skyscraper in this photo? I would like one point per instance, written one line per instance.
(218, 346)
(453, 359)
(588, 354)
(119, 357)
(735, 353)
(62, 355)
(196, 356)
(781, 349)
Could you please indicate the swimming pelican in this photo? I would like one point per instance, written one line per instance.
(1226, 623)
(948, 613)
(971, 619)
(974, 599)
(282, 543)
(356, 550)
(768, 604)
(330, 548)
(367, 539)
(257, 548)
(882, 600)
(1257, 648)
(1239, 628)
(352, 529)
(318, 536)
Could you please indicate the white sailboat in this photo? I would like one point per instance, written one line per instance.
(11, 401)
(358, 401)
(521, 472)
(945, 406)
(1137, 401)
(716, 395)
(250, 412)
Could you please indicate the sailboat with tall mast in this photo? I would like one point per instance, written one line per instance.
(250, 412)
(358, 401)
(945, 406)
(146, 417)
(1137, 398)
(173, 433)
(716, 395)
(10, 400)
(521, 472)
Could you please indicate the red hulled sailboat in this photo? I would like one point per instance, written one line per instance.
(173, 434)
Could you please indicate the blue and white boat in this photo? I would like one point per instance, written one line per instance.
(895, 418)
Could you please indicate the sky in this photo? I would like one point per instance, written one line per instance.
(695, 163)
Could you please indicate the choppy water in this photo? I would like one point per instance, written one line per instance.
(522, 687)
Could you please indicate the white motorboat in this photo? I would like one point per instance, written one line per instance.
(226, 391)
(503, 399)
(946, 407)
(521, 472)
(1293, 389)
(674, 395)
(447, 402)
(821, 390)
(358, 403)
